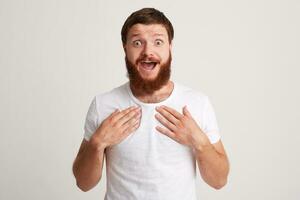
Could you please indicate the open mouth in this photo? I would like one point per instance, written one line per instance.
(148, 65)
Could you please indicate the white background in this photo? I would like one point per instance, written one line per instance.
(56, 55)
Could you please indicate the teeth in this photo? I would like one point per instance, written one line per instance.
(149, 65)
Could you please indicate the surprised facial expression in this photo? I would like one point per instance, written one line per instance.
(148, 49)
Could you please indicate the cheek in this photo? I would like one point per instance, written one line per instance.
(165, 56)
(132, 55)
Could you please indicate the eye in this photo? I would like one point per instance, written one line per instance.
(158, 42)
(137, 43)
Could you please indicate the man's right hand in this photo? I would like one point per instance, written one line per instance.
(116, 127)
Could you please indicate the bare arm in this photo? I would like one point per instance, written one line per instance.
(88, 165)
(212, 160)
(213, 164)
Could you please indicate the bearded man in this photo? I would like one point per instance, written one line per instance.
(151, 131)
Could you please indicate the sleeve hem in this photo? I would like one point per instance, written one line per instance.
(213, 136)
(87, 138)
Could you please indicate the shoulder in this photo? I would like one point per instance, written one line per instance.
(103, 104)
(112, 95)
(190, 93)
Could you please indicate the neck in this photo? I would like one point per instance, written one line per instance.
(158, 95)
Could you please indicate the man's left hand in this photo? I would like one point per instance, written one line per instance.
(181, 127)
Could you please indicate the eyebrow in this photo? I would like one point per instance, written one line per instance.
(156, 34)
(159, 34)
(135, 34)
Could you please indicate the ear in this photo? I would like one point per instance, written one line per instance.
(124, 48)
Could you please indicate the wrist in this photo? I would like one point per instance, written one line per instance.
(97, 144)
(202, 145)
(199, 149)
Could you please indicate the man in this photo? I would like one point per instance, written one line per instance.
(151, 130)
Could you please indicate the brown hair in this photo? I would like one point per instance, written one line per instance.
(147, 16)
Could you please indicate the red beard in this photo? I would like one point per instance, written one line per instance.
(141, 86)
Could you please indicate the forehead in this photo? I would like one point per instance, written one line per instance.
(151, 29)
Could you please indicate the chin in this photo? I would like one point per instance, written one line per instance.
(149, 75)
(149, 79)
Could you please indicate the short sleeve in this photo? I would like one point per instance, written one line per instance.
(90, 125)
(210, 127)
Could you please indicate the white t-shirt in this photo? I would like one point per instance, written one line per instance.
(148, 165)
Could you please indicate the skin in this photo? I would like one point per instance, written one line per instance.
(88, 165)
(152, 41)
(212, 160)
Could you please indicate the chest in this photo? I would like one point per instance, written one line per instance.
(147, 146)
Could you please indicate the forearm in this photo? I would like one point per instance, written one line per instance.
(213, 166)
(88, 166)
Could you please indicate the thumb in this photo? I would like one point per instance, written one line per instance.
(186, 112)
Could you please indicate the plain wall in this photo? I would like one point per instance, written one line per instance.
(56, 55)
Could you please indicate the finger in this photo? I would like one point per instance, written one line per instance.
(131, 128)
(131, 115)
(120, 114)
(169, 116)
(166, 132)
(186, 112)
(173, 112)
(130, 122)
(115, 112)
(165, 122)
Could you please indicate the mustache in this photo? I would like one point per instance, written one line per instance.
(144, 86)
(145, 57)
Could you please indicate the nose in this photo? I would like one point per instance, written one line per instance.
(148, 50)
